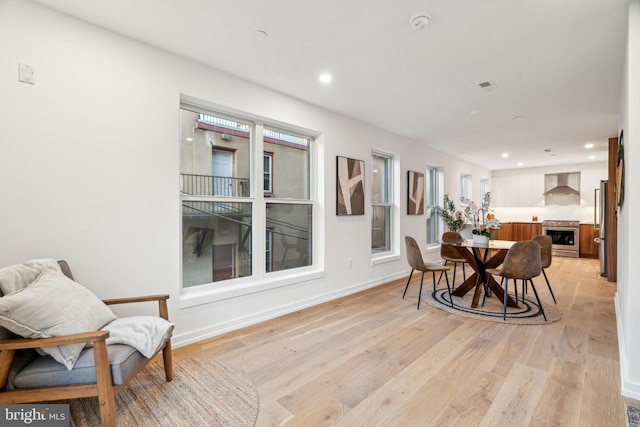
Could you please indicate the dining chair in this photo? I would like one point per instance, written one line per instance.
(545, 243)
(450, 254)
(522, 261)
(414, 257)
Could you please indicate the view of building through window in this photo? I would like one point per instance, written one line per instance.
(219, 198)
(432, 198)
(381, 202)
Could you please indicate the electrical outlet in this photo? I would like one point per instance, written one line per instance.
(26, 74)
(349, 263)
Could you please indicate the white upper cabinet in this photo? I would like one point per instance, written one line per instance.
(518, 190)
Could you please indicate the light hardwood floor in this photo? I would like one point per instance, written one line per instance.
(373, 359)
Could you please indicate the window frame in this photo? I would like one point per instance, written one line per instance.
(485, 186)
(466, 186)
(434, 194)
(260, 280)
(270, 155)
(391, 204)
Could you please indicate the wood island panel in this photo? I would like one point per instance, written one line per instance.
(517, 231)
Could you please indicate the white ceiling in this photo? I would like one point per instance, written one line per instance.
(555, 63)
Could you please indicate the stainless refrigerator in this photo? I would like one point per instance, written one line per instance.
(600, 224)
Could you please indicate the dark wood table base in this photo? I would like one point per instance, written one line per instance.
(478, 261)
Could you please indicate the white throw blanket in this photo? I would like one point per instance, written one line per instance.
(147, 334)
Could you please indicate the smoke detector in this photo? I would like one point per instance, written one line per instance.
(420, 21)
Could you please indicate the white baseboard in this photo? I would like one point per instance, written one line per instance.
(241, 322)
(629, 388)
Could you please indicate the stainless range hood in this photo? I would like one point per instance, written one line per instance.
(561, 184)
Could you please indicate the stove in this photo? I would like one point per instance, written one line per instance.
(565, 235)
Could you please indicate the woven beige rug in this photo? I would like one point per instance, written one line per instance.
(527, 314)
(203, 393)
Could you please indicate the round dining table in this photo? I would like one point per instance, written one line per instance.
(482, 256)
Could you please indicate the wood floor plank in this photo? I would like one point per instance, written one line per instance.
(373, 359)
(517, 399)
(509, 349)
(471, 402)
(559, 402)
(325, 412)
(424, 405)
(601, 402)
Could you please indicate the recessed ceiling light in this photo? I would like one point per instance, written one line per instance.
(588, 146)
(326, 77)
(520, 164)
(189, 139)
(505, 155)
(260, 34)
(592, 157)
(419, 21)
(518, 118)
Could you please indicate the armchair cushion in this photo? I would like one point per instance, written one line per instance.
(46, 372)
(51, 306)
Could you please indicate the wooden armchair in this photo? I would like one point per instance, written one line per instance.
(100, 370)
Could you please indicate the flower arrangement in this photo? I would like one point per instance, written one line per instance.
(454, 219)
(481, 223)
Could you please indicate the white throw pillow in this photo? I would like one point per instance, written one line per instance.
(19, 276)
(51, 306)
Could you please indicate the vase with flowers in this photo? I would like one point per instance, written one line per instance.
(481, 218)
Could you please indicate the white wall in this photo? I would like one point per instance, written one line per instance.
(628, 295)
(89, 168)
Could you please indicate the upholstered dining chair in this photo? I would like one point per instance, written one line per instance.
(414, 257)
(450, 254)
(523, 261)
(545, 243)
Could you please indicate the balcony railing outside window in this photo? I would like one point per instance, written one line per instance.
(217, 186)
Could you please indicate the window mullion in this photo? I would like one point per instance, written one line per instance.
(259, 212)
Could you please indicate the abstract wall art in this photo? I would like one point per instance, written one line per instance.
(415, 196)
(350, 186)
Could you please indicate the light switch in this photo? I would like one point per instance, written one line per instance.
(26, 74)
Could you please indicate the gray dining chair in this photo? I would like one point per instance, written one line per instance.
(523, 261)
(546, 255)
(414, 257)
(450, 254)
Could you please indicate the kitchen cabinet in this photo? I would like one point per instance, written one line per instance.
(589, 181)
(530, 190)
(502, 233)
(504, 191)
(517, 190)
(517, 231)
(588, 247)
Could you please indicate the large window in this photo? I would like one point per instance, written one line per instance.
(381, 202)
(289, 213)
(221, 199)
(432, 186)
